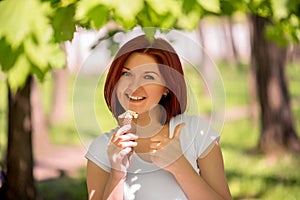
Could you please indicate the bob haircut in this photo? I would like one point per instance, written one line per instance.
(169, 66)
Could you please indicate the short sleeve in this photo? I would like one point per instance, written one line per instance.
(198, 136)
(97, 152)
(205, 136)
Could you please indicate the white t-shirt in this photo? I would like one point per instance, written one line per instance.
(146, 181)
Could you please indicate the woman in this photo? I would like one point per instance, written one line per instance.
(163, 154)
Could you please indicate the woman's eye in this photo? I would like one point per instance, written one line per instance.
(149, 77)
(126, 74)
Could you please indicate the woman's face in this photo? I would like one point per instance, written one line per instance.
(141, 85)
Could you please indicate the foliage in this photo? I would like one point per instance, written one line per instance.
(26, 41)
(284, 16)
(32, 30)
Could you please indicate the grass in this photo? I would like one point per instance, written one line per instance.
(250, 175)
(236, 85)
(254, 176)
(63, 188)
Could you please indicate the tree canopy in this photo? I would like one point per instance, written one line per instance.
(32, 30)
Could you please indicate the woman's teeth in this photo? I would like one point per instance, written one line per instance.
(135, 98)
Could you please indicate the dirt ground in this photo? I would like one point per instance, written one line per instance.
(54, 161)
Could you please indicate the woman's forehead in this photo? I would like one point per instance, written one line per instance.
(141, 62)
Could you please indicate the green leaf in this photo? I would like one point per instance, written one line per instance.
(36, 53)
(166, 6)
(57, 57)
(283, 33)
(17, 75)
(261, 8)
(8, 55)
(125, 10)
(294, 7)
(82, 9)
(210, 5)
(154, 17)
(129, 8)
(279, 8)
(16, 18)
(64, 23)
(188, 5)
(143, 18)
(148, 17)
(191, 20)
(98, 16)
(126, 24)
(168, 21)
(65, 3)
(227, 7)
(44, 55)
(40, 74)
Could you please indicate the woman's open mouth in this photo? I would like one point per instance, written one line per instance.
(135, 98)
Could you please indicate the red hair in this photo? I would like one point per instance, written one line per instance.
(169, 65)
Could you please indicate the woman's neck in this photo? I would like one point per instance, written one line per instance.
(149, 123)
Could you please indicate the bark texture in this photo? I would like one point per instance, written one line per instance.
(19, 183)
(278, 133)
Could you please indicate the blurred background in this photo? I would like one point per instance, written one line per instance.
(242, 64)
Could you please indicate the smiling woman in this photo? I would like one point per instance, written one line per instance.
(141, 85)
(167, 147)
(159, 53)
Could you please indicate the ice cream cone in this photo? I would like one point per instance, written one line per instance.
(127, 118)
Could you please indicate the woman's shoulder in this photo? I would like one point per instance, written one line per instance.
(97, 150)
(190, 120)
(194, 124)
(198, 133)
(102, 139)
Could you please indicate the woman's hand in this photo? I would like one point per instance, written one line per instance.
(120, 149)
(166, 152)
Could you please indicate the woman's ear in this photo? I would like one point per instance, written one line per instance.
(166, 92)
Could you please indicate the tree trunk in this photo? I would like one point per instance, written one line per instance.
(19, 178)
(278, 133)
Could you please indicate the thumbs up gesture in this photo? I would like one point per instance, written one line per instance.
(165, 152)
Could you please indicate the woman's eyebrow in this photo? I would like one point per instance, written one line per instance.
(146, 72)
(153, 72)
(126, 68)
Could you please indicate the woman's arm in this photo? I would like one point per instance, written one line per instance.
(212, 171)
(212, 183)
(103, 185)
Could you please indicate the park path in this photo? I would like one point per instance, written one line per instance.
(56, 161)
(52, 161)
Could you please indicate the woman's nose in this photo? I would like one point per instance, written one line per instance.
(135, 83)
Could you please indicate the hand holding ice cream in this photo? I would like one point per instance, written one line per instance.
(122, 142)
